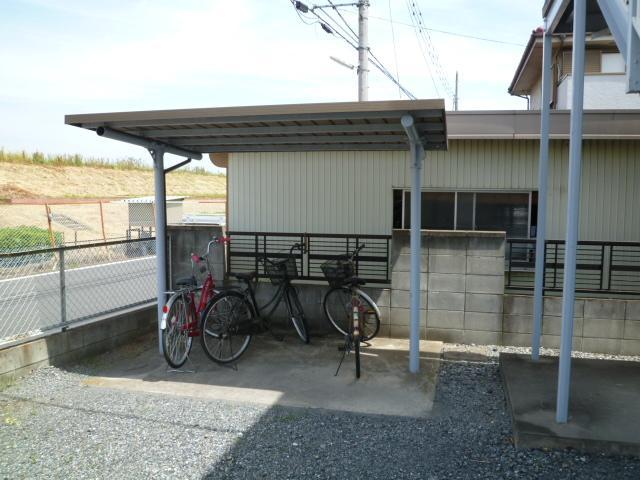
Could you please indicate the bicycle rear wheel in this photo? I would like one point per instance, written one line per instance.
(176, 342)
(226, 325)
(297, 314)
(338, 310)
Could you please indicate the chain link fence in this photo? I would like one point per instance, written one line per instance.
(48, 288)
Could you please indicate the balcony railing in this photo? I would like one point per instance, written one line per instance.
(601, 267)
(247, 248)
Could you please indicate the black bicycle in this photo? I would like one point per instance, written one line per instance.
(234, 315)
(350, 310)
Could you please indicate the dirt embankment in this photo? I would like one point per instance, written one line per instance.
(43, 181)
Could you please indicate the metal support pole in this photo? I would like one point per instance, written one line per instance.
(417, 156)
(363, 50)
(63, 289)
(161, 233)
(543, 180)
(573, 211)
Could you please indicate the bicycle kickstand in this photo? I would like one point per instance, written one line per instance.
(344, 349)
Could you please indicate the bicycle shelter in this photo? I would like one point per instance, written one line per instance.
(416, 126)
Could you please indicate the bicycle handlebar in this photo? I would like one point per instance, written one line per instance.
(357, 251)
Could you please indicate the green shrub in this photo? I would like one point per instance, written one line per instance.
(23, 238)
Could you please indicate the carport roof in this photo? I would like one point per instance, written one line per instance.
(296, 127)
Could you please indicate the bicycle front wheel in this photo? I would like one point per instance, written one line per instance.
(338, 310)
(297, 314)
(226, 324)
(176, 342)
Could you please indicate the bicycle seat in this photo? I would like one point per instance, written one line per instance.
(186, 282)
(246, 277)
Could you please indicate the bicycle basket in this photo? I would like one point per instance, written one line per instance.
(337, 272)
(281, 270)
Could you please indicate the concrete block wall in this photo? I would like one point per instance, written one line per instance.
(186, 239)
(600, 325)
(462, 284)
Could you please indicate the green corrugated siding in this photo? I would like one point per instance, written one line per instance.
(350, 192)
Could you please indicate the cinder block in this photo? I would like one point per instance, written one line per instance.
(448, 245)
(485, 284)
(402, 316)
(603, 328)
(402, 281)
(385, 315)
(447, 263)
(518, 304)
(630, 347)
(602, 345)
(553, 306)
(385, 331)
(445, 301)
(553, 326)
(402, 263)
(490, 322)
(381, 296)
(485, 266)
(482, 338)
(483, 303)
(516, 339)
(553, 341)
(402, 299)
(402, 331)
(603, 308)
(400, 243)
(517, 323)
(633, 310)
(486, 247)
(631, 330)
(445, 319)
(446, 282)
(446, 335)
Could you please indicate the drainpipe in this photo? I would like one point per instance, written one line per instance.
(157, 151)
(417, 157)
(573, 211)
(543, 176)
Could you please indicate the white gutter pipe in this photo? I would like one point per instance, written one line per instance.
(543, 180)
(417, 156)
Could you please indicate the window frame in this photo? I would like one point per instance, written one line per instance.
(475, 192)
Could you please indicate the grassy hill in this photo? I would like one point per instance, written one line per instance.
(24, 175)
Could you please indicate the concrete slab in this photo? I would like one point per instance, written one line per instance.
(288, 373)
(604, 407)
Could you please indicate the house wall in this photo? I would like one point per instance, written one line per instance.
(600, 91)
(351, 192)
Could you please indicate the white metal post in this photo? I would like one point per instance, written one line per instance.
(161, 233)
(363, 50)
(573, 211)
(417, 156)
(543, 176)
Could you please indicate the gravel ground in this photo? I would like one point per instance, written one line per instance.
(493, 352)
(53, 427)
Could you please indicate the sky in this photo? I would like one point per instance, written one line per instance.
(62, 57)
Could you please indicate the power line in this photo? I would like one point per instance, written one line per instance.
(327, 20)
(445, 32)
(395, 53)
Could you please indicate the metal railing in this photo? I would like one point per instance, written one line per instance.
(246, 248)
(602, 267)
(50, 288)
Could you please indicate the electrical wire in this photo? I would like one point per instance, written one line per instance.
(395, 53)
(350, 37)
(445, 32)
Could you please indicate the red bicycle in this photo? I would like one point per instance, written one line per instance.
(182, 314)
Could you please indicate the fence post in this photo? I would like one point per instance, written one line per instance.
(63, 289)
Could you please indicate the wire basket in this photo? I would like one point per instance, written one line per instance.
(337, 272)
(281, 270)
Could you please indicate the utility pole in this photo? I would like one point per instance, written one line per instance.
(455, 97)
(363, 50)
